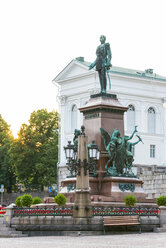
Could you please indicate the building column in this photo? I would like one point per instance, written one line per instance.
(163, 120)
(62, 160)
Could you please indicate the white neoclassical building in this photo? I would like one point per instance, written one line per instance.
(143, 92)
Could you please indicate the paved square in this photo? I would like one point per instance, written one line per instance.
(147, 240)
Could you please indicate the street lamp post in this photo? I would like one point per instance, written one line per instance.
(81, 161)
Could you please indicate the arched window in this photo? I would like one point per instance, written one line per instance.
(151, 120)
(130, 118)
(73, 118)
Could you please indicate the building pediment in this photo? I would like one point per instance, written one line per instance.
(78, 68)
(73, 69)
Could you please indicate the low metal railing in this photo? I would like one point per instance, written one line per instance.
(122, 211)
(53, 211)
(96, 211)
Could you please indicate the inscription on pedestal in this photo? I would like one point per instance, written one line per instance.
(91, 116)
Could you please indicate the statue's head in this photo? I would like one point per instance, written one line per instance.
(77, 132)
(102, 38)
(116, 133)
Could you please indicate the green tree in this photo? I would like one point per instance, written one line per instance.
(130, 200)
(18, 201)
(161, 200)
(37, 200)
(35, 152)
(26, 200)
(6, 172)
(60, 199)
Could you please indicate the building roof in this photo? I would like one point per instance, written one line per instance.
(148, 73)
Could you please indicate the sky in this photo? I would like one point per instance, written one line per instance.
(38, 38)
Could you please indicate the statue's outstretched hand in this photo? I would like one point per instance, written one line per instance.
(91, 66)
(136, 129)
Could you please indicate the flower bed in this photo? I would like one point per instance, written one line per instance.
(2, 212)
(43, 211)
(115, 211)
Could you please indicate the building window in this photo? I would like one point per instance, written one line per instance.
(152, 151)
(130, 118)
(151, 120)
(73, 118)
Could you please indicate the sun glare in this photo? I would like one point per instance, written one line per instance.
(15, 128)
(15, 133)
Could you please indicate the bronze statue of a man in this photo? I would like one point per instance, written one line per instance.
(102, 62)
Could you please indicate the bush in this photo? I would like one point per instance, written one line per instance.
(130, 200)
(18, 201)
(161, 200)
(60, 199)
(37, 200)
(26, 200)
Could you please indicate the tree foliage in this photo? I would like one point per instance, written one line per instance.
(60, 199)
(6, 172)
(130, 200)
(161, 200)
(35, 153)
(18, 201)
(26, 200)
(37, 200)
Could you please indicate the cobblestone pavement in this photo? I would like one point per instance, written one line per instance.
(147, 240)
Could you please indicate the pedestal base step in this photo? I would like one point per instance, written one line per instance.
(63, 233)
(159, 229)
